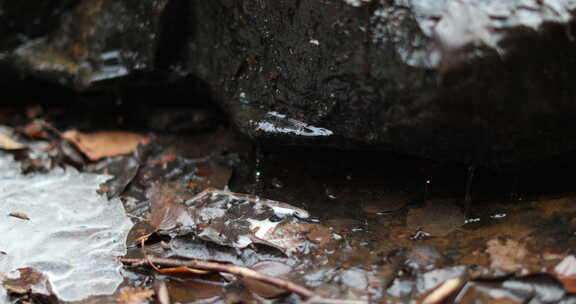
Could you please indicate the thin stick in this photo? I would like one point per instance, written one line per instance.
(302, 291)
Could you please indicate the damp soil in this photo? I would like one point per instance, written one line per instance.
(380, 224)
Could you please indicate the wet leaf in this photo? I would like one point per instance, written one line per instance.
(134, 296)
(168, 211)
(139, 232)
(124, 169)
(29, 281)
(566, 272)
(567, 267)
(75, 236)
(35, 129)
(187, 291)
(509, 255)
(238, 220)
(211, 176)
(228, 219)
(106, 143)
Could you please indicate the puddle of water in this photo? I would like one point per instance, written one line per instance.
(386, 202)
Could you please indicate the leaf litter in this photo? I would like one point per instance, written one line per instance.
(102, 144)
(194, 244)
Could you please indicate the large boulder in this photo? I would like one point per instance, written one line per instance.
(480, 81)
(463, 80)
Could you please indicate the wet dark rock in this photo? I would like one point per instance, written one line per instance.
(79, 43)
(472, 81)
(462, 80)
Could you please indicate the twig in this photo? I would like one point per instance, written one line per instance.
(309, 295)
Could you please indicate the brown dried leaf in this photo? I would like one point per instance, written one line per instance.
(167, 208)
(7, 143)
(30, 281)
(211, 176)
(106, 143)
(19, 215)
(509, 255)
(35, 129)
(239, 220)
(566, 273)
(134, 296)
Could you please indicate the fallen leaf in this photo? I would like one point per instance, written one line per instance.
(509, 255)
(228, 219)
(6, 141)
(238, 220)
(194, 291)
(35, 129)
(167, 207)
(134, 296)
(19, 215)
(567, 267)
(211, 176)
(30, 281)
(566, 272)
(106, 143)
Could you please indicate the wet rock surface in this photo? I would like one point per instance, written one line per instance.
(79, 43)
(461, 80)
(471, 81)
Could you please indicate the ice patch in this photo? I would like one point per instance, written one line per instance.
(74, 235)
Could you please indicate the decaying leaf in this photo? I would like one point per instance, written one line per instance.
(106, 143)
(29, 281)
(134, 296)
(238, 220)
(508, 255)
(567, 267)
(566, 272)
(167, 207)
(211, 175)
(35, 129)
(7, 142)
(229, 219)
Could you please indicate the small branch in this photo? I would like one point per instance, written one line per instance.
(309, 295)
